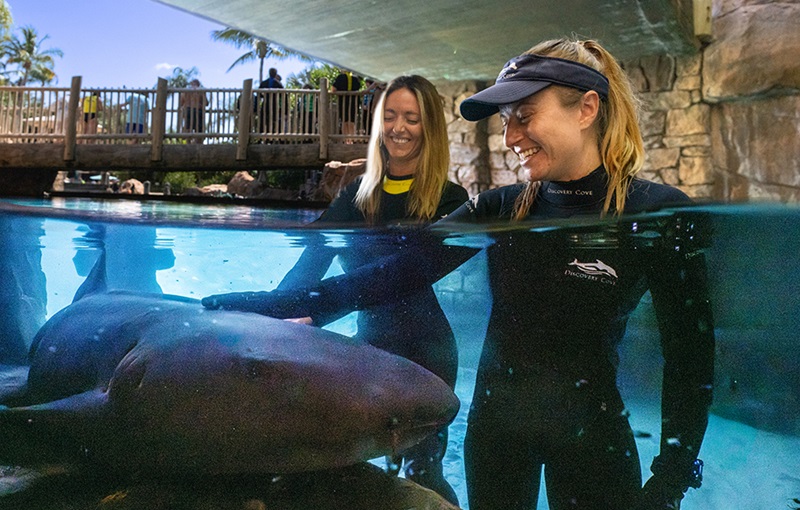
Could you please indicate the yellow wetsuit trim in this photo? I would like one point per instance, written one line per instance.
(394, 186)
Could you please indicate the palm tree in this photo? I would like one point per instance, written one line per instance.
(27, 54)
(259, 49)
(311, 75)
(181, 77)
(5, 17)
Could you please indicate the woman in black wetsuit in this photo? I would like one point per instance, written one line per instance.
(546, 395)
(405, 181)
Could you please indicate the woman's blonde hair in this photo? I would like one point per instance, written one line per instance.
(434, 160)
(618, 135)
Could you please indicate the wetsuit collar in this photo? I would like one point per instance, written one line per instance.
(397, 185)
(583, 192)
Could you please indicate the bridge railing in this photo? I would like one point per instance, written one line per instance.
(183, 115)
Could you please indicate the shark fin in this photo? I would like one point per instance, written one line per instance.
(95, 283)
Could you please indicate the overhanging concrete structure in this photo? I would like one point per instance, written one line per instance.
(454, 39)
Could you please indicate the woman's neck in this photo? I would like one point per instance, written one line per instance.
(401, 168)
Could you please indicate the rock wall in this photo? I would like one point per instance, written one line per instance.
(721, 124)
(752, 80)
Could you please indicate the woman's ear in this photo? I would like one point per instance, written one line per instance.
(590, 106)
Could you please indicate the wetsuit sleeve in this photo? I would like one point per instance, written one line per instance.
(679, 286)
(419, 263)
(421, 260)
(453, 197)
(495, 204)
(317, 257)
(342, 209)
(311, 266)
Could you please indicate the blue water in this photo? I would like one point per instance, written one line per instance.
(751, 446)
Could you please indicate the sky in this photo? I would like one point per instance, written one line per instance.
(111, 43)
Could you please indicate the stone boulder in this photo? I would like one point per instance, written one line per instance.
(212, 190)
(754, 51)
(244, 185)
(132, 187)
(336, 175)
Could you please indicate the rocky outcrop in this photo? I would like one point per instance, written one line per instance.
(244, 185)
(751, 77)
(754, 51)
(132, 187)
(212, 190)
(469, 157)
(335, 176)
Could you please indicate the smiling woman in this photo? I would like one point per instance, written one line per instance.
(405, 181)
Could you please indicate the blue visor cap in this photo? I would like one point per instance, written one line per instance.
(528, 74)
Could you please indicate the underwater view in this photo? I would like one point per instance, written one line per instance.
(50, 251)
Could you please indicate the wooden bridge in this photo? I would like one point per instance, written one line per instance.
(185, 129)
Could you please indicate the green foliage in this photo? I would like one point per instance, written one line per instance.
(5, 17)
(180, 181)
(311, 75)
(258, 48)
(180, 77)
(284, 179)
(27, 57)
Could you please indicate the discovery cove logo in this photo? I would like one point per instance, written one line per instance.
(597, 271)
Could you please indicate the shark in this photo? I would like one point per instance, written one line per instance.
(151, 383)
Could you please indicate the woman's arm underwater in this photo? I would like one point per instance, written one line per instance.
(679, 286)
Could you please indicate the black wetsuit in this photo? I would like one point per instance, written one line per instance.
(546, 391)
(413, 326)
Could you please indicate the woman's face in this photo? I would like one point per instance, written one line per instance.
(553, 142)
(402, 131)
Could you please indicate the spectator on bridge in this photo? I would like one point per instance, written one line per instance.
(136, 117)
(193, 108)
(269, 121)
(373, 92)
(92, 105)
(348, 104)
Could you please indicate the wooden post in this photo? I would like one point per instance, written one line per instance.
(71, 133)
(702, 20)
(159, 121)
(245, 118)
(323, 118)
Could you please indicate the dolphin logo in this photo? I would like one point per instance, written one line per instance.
(598, 267)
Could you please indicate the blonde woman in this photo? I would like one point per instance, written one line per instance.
(405, 182)
(546, 391)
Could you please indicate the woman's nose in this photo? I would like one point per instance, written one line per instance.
(511, 133)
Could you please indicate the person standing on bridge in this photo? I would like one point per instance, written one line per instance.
(92, 105)
(271, 106)
(193, 109)
(137, 106)
(348, 103)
